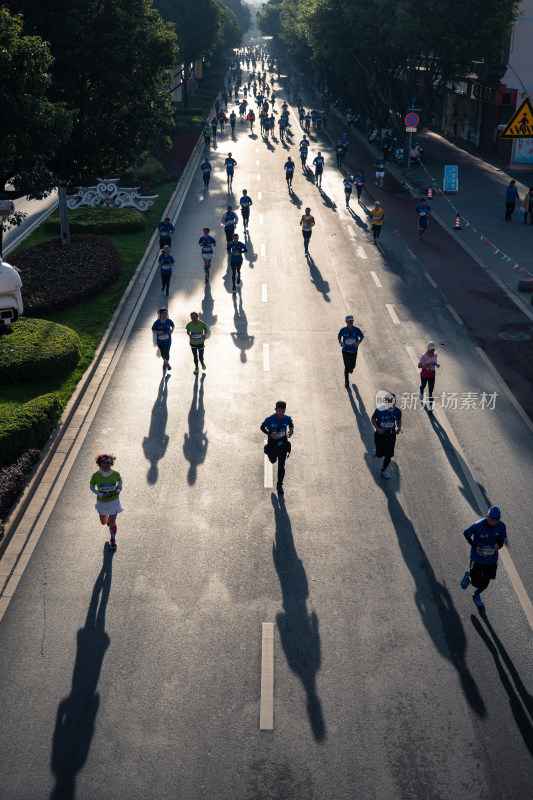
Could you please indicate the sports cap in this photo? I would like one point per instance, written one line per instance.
(349, 317)
(494, 513)
(281, 404)
(430, 345)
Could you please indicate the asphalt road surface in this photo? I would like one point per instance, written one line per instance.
(138, 675)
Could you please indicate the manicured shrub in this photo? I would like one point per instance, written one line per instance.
(28, 427)
(55, 276)
(104, 221)
(36, 349)
(150, 168)
(13, 478)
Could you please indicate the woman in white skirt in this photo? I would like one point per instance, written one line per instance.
(106, 484)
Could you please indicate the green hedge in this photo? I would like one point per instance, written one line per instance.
(150, 169)
(104, 221)
(37, 349)
(28, 427)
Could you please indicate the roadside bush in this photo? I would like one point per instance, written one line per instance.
(104, 221)
(150, 169)
(28, 427)
(55, 276)
(13, 478)
(36, 349)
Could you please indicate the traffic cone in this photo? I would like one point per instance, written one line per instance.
(430, 192)
(457, 226)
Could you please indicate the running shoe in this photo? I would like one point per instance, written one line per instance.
(112, 543)
(196, 371)
(421, 397)
(168, 366)
(203, 365)
(466, 580)
(477, 599)
(385, 474)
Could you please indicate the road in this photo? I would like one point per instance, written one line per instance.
(138, 675)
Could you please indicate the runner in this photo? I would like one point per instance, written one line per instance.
(197, 331)
(339, 153)
(485, 537)
(229, 221)
(307, 122)
(359, 180)
(165, 267)
(235, 250)
(207, 243)
(230, 164)
(427, 364)
(344, 142)
(106, 484)
(304, 149)
(423, 212)
(350, 337)
(166, 229)
(222, 119)
(319, 168)
(307, 223)
(289, 172)
(245, 202)
(205, 166)
(377, 215)
(207, 137)
(214, 125)
(387, 422)
(379, 164)
(163, 328)
(232, 120)
(279, 428)
(348, 184)
(251, 119)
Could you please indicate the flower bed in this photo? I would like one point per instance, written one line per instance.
(54, 276)
(13, 478)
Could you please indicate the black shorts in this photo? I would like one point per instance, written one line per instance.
(164, 349)
(481, 573)
(349, 359)
(273, 449)
(385, 444)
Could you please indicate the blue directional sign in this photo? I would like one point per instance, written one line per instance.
(451, 178)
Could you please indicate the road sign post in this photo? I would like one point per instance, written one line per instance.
(411, 122)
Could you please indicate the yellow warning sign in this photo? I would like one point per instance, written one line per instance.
(521, 125)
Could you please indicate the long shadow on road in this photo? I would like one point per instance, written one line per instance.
(240, 337)
(156, 443)
(316, 278)
(195, 442)
(298, 630)
(76, 714)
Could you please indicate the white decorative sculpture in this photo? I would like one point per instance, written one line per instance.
(107, 194)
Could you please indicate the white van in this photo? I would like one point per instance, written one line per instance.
(10, 297)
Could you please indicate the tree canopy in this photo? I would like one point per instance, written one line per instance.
(199, 25)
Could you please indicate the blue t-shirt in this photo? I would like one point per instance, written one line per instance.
(165, 264)
(345, 141)
(359, 179)
(511, 194)
(230, 220)
(486, 538)
(163, 331)
(245, 203)
(279, 425)
(230, 164)
(289, 166)
(423, 210)
(319, 163)
(348, 184)
(351, 339)
(207, 243)
(386, 418)
(205, 167)
(166, 229)
(304, 146)
(236, 249)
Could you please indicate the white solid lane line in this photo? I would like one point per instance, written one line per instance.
(376, 279)
(266, 357)
(257, 162)
(258, 177)
(263, 249)
(360, 252)
(455, 315)
(264, 294)
(266, 708)
(430, 279)
(392, 312)
(268, 472)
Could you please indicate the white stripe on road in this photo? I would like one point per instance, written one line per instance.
(257, 162)
(264, 292)
(259, 196)
(392, 312)
(430, 279)
(411, 253)
(268, 472)
(260, 219)
(455, 315)
(266, 357)
(266, 707)
(360, 252)
(263, 249)
(258, 177)
(376, 279)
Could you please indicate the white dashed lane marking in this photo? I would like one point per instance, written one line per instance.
(260, 219)
(376, 279)
(455, 315)
(259, 196)
(266, 707)
(360, 252)
(263, 250)
(392, 312)
(264, 293)
(266, 357)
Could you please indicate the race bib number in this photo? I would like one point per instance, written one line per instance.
(163, 337)
(487, 551)
(197, 337)
(350, 342)
(387, 425)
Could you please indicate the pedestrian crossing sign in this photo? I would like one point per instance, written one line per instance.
(521, 124)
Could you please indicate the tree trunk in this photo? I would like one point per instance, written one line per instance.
(63, 215)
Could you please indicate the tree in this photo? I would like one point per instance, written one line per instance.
(197, 24)
(269, 18)
(231, 32)
(242, 13)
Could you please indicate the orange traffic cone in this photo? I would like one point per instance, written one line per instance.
(457, 226)
(430, 192)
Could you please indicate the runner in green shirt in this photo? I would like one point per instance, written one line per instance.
(196, 331)
(106, 484)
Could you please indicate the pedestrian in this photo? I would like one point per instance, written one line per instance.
(307, 223)
(207, 137)
(229, 221)
(165, 267)
(222, 119)
(319, 168)
(387, 423)
(427, 363)
(377, 215)
(486, 537)
(339, 153)
(423, 212)
(344, 140)
(214, 125)
(163, 328)
(527, 205)
(289, 171)
(379, 164)
(205, 166)
(279, 428)
(230, 164)
(511, 196)
(348, 187)
(197, 332)
(207, 243)
(245, 202)
(235, 250)
(350, 337)
(166, 229)
(106, 484)
(359, 180)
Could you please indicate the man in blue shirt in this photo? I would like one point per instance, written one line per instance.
(423, 212)
(235, 250)
(387, 423)
(319, 168)
(245, 202)
(205, 166)
(207, 243)
(485, 537)
(344, 142)
(511, 196)
(348, 188)
(304, 148)
(229, 221)
(166, 229)
(350, 337)
(163, 328)
(289, 171)
(165, 267)
(279, 429)
(230, 166)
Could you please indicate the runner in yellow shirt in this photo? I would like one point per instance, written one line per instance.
(377, 215)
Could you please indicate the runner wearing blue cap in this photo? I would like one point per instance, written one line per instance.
(485, 537)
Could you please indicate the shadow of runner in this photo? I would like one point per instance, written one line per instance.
(208, 305)
(298, 630)
(240, 336)
(195, 442)
(76, 714)
(449, 451)
(316, 278)
(156, 443)
(293, 197)
(357, 219)
(522, 711)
